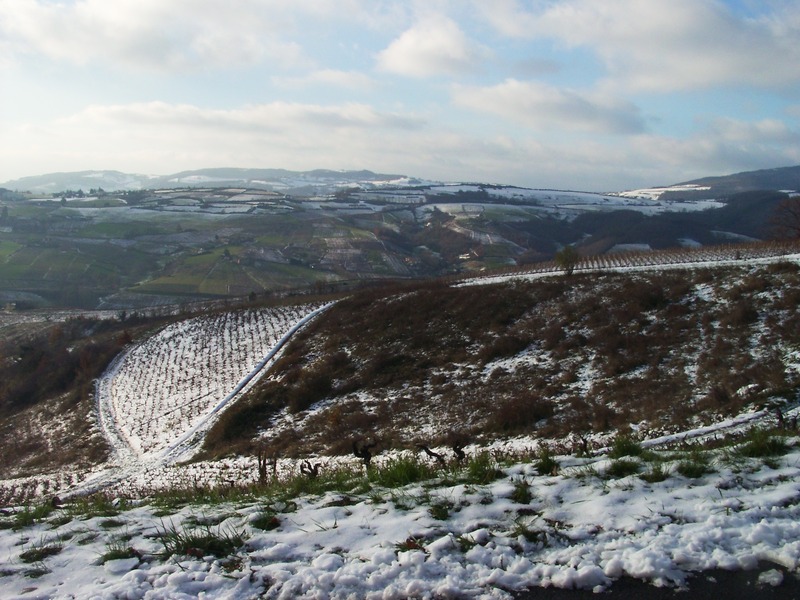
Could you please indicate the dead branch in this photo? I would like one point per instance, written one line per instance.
(311, 471)
(439, 458)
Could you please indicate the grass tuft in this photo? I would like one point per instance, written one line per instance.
(522, 492)
(38, 552)
(400, 472)
(625, 446)
(622, 467)
(482, 469)
(199, 542)
(762, 444)
(117, 550)
(695, 465)
(656, 474)
(545, 464)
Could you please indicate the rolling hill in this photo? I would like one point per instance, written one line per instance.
(278, 232)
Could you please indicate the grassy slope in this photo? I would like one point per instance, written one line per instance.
(553, 357)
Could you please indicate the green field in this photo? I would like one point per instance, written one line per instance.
(215, 274)
(7, 249)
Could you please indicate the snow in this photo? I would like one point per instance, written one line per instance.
(581, 529)
(156, 400)
(188, 371)
(656, 192)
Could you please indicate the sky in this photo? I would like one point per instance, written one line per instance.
(567, 94)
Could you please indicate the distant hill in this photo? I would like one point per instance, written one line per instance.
(297, 182)
(319, 181)
(783, 178)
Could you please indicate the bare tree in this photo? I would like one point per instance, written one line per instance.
(458, 450)
(265, 460)
(309, 470)
(786, 219)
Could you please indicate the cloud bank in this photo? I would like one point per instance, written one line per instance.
(564, 93)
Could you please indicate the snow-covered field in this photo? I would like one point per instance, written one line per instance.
(687, 258)
(584, 527)
(157, 399)
(167, 385)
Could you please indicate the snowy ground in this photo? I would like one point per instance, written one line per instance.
(157, 399)
(584, 527)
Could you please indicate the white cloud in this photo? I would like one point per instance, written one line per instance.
(545, 107)
(168, 36)
(772, 131)
(509, 17)
(253, 120)
(662, 46)
(720, 147)
(434, 46)
(158, 137)
(352, 80)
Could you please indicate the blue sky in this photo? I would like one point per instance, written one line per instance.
(571, 94)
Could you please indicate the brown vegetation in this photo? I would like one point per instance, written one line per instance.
(604, 351)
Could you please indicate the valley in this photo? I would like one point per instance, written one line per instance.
(136, 249)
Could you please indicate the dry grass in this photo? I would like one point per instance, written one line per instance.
(613, 349)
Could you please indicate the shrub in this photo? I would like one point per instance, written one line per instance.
(622, 468)
(625, 446)
(762, 444)
(520, 412)
(545, 463)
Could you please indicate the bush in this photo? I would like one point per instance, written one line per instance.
(199, 543)
(763, 444)
(625, 446)
(622, 468)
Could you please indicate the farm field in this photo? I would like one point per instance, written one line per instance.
(134, 249)
(167, 386)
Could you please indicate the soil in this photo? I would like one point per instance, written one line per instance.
(727, 585)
